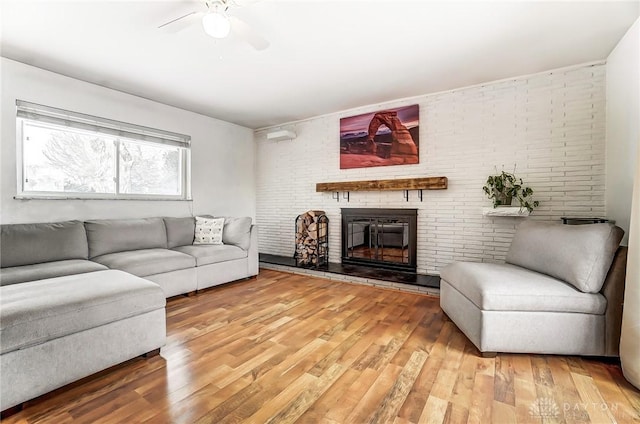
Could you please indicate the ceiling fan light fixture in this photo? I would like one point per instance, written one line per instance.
(216, 24)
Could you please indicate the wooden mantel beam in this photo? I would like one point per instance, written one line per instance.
(428, 183)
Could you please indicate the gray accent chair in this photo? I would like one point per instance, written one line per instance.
(559, 292)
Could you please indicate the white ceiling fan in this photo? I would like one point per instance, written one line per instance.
(218, 23)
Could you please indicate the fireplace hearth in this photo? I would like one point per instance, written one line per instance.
(384, 238)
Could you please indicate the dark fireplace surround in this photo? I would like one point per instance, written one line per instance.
(384, 238)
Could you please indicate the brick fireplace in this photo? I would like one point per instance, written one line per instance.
(508, 122)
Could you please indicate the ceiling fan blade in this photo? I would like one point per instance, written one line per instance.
(178, 24)
(246, 33)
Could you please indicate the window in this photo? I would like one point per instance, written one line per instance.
(71, 155)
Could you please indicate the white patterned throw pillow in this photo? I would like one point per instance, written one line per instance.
(208, 230)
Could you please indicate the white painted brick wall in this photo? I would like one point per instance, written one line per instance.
(551, 126)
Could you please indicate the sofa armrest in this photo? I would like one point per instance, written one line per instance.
(253, 252)
(613, 290)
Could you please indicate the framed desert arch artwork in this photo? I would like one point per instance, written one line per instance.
(386, 137)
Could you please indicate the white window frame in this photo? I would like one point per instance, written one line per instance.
(54, 117)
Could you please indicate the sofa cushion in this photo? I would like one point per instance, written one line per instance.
(180, 231)
(505, 287)
(210, 254)
(26, 244)
(120, 235)
(147, 261)
(38, 311)
(208, 230)
(237, 231)
(20, 274)
(578, 254)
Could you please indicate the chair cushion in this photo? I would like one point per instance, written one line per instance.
(35, 312)
(122, 235)
(147, 261)
(26, 244)
(212, 253)
(506, 287)
(578, 254)
(21, 274)
(180, 231)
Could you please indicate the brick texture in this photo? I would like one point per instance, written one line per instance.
(549, 126)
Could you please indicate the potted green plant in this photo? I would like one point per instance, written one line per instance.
(505, 187)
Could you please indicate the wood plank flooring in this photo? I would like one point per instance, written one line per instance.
(286, 348)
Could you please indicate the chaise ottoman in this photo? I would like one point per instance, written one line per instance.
(58, 330)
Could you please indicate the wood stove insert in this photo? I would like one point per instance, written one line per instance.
(383, 238)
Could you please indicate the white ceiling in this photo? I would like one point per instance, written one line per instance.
(325, 56)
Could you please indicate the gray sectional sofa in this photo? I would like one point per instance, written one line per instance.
(78, 297)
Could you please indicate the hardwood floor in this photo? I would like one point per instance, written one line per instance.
(284, 348)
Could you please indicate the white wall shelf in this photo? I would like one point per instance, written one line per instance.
(505, 211)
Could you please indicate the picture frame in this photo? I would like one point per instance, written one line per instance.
(381, 138)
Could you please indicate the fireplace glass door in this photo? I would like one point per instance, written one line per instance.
(379, 237)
